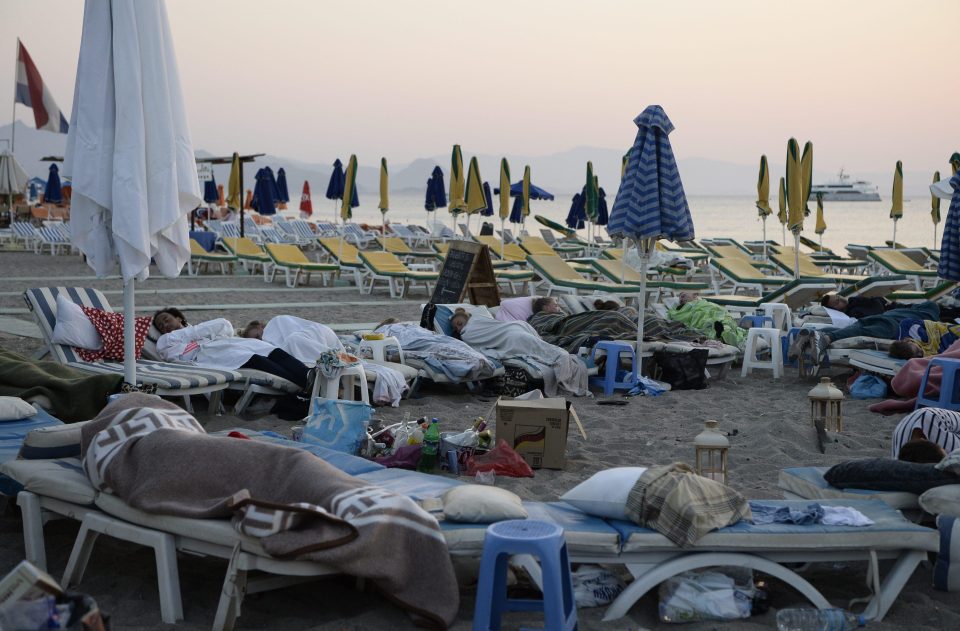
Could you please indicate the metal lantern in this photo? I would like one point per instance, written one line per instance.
(712, 447)
(826, 405)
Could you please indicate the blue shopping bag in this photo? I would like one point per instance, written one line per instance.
(337, 424)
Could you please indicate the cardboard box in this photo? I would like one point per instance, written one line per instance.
(536, 429)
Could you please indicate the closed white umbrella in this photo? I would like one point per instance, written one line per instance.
(129, 150)
(13, 179)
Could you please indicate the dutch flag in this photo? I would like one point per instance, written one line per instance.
(34, 94)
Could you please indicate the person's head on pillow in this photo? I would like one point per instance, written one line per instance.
(253, 329)
(688, 296)
(459, 320)
(905, 349)
(545, 304)
(922, 451)
(385, 323)
(834, 301)
(169, 319)
(605, 305)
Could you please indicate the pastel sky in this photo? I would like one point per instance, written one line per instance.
(868, 81)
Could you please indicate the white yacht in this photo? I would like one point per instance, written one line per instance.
(843, 190)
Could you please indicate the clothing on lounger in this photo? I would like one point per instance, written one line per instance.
(570, 332)
(887, 325)
(938, 425)
(703, 315)
(281, 364)
(506, 340)
(442, 353)
(932, 337)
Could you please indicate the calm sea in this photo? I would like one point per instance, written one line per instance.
(736, 217)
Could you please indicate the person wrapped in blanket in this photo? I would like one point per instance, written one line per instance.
(926, 435)
(610, 321)
(307, 340)
(562, 372)
(444, 354)
(923, 338)
(710, 319)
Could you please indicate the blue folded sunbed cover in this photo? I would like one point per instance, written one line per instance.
(12, 434)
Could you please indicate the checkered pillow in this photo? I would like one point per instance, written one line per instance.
(110, 327)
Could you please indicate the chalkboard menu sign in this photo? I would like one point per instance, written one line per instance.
(467, 270)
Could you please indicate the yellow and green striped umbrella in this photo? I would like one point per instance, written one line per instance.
(806, 166)
(233, 184)
(457, 201)
(782, 201)
(592, 195)
(955, 162)
(526, 192)
(763, 189)
(384, 204)
(349, 183)
(935, 208)
(821, 224)
(504, 189)
(475, 200)
(795, 203)
(623, 165)
(896, 206)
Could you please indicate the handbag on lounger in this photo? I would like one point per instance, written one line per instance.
(683, 371)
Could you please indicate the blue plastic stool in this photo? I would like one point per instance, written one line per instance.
(948, 397)
(613, 378)
(525, 536)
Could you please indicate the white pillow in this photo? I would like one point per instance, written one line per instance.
(605, 493)
(942, 500)
(15, 408)
(73, 327)
(478, 504)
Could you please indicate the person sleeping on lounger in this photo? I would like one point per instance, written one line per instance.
(923, 338)
(507, 340)
(926, 435)
(214, 344)
(862, 307)
(709, 318)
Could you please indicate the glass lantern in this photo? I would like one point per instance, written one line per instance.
(826, 405)
(711, 453)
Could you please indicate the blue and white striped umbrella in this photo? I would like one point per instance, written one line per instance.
(651, 203)
(949, 267)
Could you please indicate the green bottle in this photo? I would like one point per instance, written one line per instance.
(431, 445)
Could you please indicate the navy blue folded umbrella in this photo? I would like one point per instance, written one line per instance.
(210, 192)
(516, 190)
(33, 191)
(263, 192)
(516, 213)
(578, 213)
(283, 195)
(488, 211)
(337, 179)
(436, 191)
(602, 214)
(52, 193)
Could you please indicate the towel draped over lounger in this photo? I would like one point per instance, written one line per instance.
(157, 458)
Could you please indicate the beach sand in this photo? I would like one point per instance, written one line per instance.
(767, 421)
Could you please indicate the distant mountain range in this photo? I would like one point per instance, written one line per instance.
(561, 173)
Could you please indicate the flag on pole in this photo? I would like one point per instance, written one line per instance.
(32, 92)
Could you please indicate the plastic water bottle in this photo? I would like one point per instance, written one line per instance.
(818, 620)
(431, 445)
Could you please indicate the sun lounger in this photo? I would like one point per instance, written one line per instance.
(294, 262)
(53, 238)
(171, 380)
(441, 248)
(786, 262)
(387, 267)
(742, 275)
(356, 235)
(248, 253)
(807, 483)
(872, 286)
(200, 257)
(507, 252)
(816, 247)
(934, 293)
(25, 232)
(875, 361)
(12, 435)
(537, 246)
(795, 294)
(920, 255)
(614, 271)
(560, 277)
(896, 262)
(398, 246)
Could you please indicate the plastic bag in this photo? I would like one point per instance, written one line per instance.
(403, 457)
(502, 460)
(868, 387)
(338, 424)
(594, 586)
(707, 595)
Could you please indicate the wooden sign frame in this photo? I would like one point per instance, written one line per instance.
(481, 283)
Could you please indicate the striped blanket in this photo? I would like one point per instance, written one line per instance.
(683, 506)
(570, 332)
(157, 458)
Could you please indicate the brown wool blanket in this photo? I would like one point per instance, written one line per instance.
(157, 458)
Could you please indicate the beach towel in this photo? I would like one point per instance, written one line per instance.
(702, 316)
(508, 340)
(683, 506)
(69, 394)
(157, 458)
(906, 383)
(570, 332)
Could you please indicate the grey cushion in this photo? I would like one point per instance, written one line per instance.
(885, 474)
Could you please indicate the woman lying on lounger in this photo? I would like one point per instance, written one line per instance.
(213, 344)
(609, 322)
(506, 340)
(307, 340)
(444, 354)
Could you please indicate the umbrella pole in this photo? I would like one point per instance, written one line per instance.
(796, 254)
(242, 200)
(934, 235)
(894, 246)
(503, 241)
(783, 237)
(642, 299)
(129, 334)
(623, 262)
(764, 237)
(383, 229)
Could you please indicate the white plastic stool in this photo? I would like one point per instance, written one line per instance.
(378, 348)
(750, 360)
(331, 387)
(782, 317)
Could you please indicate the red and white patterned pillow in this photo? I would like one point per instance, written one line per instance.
(110, 327)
